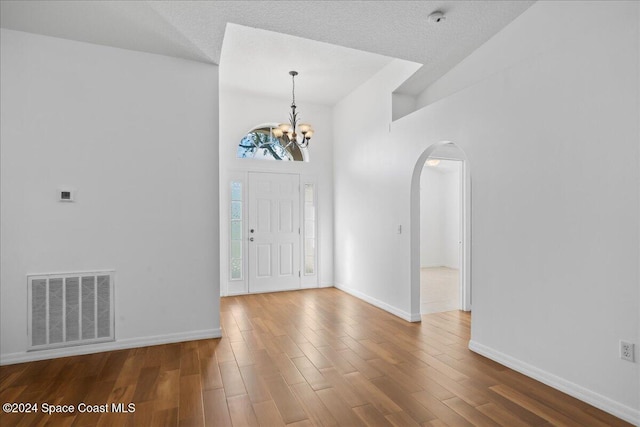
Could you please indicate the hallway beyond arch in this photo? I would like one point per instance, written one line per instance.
(441, 150)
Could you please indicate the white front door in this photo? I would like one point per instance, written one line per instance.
(274, 232)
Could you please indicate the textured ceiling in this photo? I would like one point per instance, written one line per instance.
(195, 29)
(129, 25)
(259, 61)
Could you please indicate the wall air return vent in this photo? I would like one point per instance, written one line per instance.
(70, 309)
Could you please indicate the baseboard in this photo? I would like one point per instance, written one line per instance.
(32, 356)
(326, 285)
(382, 305)
(415, 317)
(599, 401)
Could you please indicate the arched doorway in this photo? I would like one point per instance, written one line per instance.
(445, 150)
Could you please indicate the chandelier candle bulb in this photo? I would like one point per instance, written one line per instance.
(304, 128)
(284, 127)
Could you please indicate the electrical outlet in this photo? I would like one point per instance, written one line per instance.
(626, 351)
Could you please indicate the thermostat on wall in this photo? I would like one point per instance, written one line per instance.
(66, 194)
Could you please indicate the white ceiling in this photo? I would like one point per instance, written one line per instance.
(195, 29)
(259, 61)
(128, 24)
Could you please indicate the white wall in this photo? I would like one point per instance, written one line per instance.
(431, 218)
(440, 215)
(552, 145)
(452, 197)
(239, 113)
(369, 204)
(136, 134)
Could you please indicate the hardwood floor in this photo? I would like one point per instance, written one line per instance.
(306, 358)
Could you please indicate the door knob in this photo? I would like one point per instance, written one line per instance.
(251, 231)
(251, 239)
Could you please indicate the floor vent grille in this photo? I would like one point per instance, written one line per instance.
(70, 309)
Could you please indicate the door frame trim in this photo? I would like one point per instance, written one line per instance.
(230, 287)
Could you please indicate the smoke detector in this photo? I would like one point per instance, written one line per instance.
(436, 17)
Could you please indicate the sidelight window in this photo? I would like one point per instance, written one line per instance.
(309, 229)
(235, 249)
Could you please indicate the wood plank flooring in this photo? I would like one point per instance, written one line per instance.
(307, 358)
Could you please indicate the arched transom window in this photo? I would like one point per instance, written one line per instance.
(261, 143)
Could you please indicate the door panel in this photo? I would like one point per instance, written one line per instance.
(263, 259)
(286, 216)
(274, 232)
(263, 216)
(286, 259)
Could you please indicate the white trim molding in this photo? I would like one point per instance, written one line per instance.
(599, 401)
(32, 356)
(409, 317)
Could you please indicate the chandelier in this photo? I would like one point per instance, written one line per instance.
(289, 129)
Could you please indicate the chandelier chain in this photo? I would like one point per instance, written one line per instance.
(293, 90)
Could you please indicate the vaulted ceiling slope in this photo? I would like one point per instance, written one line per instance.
(195, 29)
(258, 62)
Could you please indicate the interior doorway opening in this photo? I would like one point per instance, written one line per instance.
(440, 235)
(441, 231)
